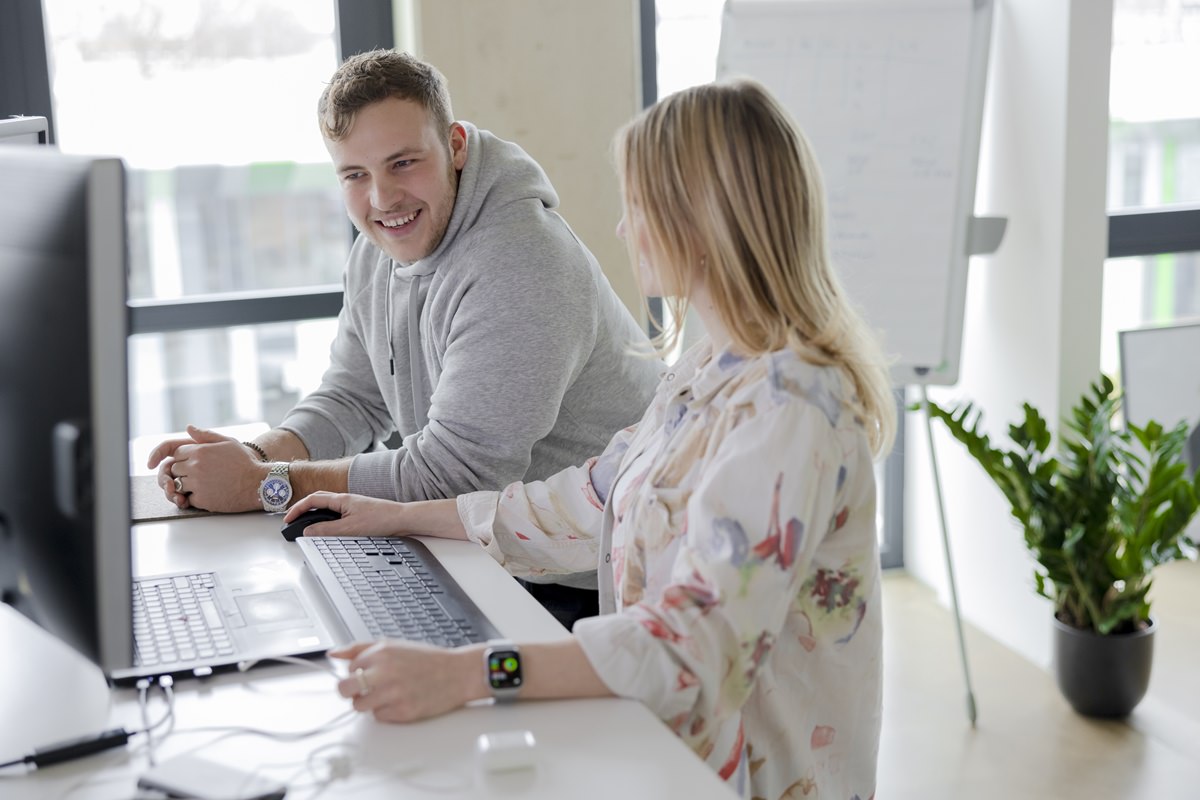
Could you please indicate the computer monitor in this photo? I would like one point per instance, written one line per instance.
(64, 471)
(1160, 374)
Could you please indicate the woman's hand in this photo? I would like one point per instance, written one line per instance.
(361, 516)
(371, 516)
(407, 681)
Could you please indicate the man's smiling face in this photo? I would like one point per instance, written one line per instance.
(399, 176)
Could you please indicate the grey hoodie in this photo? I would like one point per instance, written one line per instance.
(509, 347)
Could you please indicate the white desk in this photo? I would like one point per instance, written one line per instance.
(586, 748)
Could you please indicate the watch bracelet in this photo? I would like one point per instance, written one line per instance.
(282, 470)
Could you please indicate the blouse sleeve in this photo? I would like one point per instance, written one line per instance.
(765, 503)
(549, 527)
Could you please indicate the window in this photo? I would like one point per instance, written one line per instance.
(687, 36)
(1154, 167)
(212, 107)
(232, 201)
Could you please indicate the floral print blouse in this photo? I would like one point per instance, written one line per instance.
(734, 530)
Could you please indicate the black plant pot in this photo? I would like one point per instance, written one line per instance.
(1103, 676)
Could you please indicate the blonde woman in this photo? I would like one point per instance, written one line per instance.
(734, 526)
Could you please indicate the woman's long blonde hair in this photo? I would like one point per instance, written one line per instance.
(726, 185)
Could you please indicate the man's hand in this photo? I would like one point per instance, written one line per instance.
(208, 471)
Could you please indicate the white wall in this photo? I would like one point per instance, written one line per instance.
(558, 77)
(1032, 324)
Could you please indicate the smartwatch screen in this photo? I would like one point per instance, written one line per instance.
(504, 669)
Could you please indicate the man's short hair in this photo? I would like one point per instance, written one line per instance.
(376, 75)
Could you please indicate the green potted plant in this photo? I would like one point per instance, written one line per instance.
(1098, 518)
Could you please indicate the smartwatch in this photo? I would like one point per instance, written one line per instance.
(275, 491)
(502, 664)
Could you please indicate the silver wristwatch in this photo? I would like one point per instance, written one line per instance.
(275, 491)
(502, 666)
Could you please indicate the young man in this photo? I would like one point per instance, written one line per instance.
(474, 322)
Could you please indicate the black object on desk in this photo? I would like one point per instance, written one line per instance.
(74, 748)
(295, 528)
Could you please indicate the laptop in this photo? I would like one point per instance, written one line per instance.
(192, 624)
(195, 623)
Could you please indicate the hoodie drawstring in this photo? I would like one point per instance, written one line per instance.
(387, 320)
(420, 409)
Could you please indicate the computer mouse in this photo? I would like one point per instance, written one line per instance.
(296, 527)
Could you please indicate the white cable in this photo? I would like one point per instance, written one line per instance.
(283, 736)
(339, 769)
(303, 662)
(143, 685)
(166, 683)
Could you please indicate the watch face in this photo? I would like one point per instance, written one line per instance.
(504, 669)
(276, 492)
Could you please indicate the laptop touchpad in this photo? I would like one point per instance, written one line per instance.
(272, 610)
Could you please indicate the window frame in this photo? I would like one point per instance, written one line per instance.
(1153, 231)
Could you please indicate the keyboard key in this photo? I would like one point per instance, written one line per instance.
(177, 619)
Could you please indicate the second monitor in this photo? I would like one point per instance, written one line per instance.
(64, 472)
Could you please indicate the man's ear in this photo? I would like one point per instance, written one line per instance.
(458, 145)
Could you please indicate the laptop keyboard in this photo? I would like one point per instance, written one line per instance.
(176, 619)
(398, 590)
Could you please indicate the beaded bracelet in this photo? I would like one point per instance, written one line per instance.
(262, 453)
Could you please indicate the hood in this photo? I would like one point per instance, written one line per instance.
(496, 174)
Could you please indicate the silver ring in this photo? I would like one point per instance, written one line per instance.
(179, 485)
(361, 677)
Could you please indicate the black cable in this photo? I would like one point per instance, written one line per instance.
(73, 748)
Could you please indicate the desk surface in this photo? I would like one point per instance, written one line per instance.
(586, 748)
